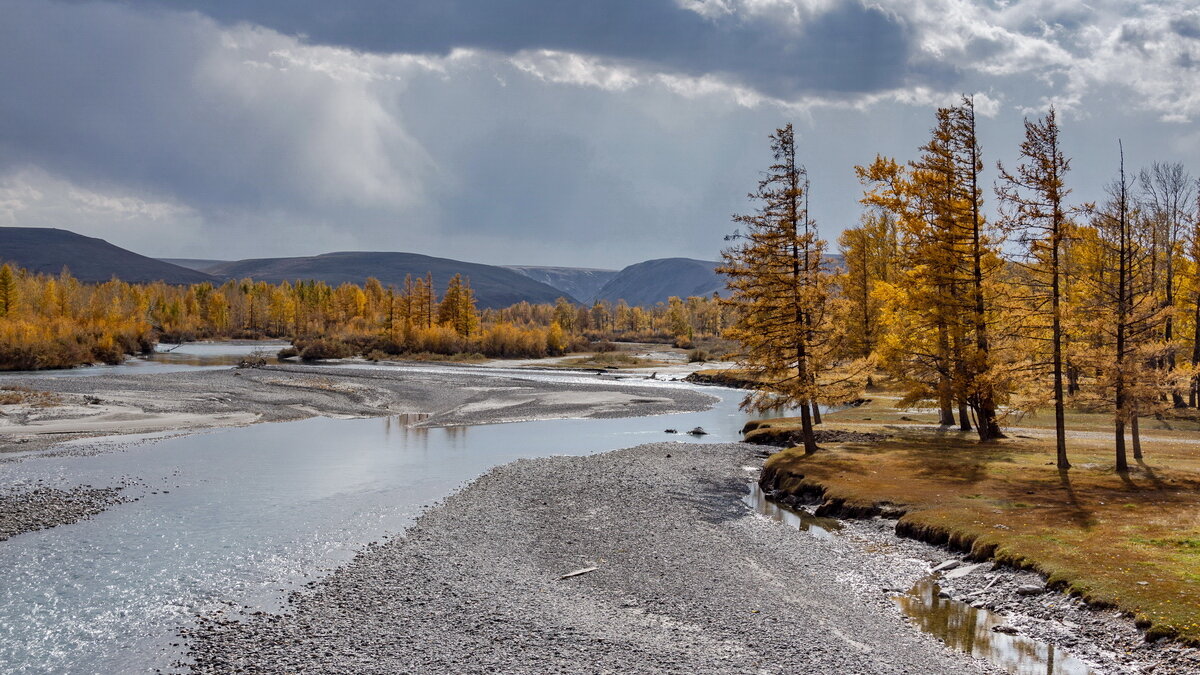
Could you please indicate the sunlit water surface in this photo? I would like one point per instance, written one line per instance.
(244, 515)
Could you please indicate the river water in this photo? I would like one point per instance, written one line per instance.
(245, 515)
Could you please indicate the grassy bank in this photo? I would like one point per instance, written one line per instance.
(1132, 541)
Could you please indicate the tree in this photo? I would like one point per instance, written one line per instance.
(1126, 314)
(8, 290)
(1166, 195)
(1032, 201)
(778, 287)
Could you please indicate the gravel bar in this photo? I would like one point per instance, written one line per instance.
(686, 580)
(43, 507)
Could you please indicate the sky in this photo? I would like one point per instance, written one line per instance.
(541, 132)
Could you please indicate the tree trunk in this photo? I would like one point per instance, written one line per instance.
(1060, 425)
(816, 412)
(945, 388)
(1196, 353)
(1136, 434)
(964, 419)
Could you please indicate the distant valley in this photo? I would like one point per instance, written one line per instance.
(48, 250)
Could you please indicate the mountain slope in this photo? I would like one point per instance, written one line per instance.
(494, 286)
(198, 264)
(652, 281)
(47, 250)
(581, 283)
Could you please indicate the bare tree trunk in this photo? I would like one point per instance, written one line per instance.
(1136, 434)
(1060, 423)
(964, 417)
(945, 388)
(1122, 316)
(1196, 355)
(816, 412)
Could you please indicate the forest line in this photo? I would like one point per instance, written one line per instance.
(56, 321)
(1052, 304)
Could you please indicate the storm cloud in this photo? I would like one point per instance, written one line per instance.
(535, 132)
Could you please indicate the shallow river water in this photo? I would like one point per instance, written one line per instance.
(244, 515)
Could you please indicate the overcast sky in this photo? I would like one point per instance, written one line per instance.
(551, 132)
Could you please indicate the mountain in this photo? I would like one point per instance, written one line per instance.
(494, 286)
(581, 283)
(198, 264)
(48, 250)
(647, 283)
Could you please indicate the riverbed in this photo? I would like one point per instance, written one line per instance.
(242, 516)
(237, 522)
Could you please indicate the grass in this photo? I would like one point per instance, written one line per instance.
(1131, 542)
(25, 395)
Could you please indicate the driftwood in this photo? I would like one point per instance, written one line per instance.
(576, 573)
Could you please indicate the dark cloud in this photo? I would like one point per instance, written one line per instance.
(851, 48)
(1186, 26)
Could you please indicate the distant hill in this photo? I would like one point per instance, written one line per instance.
(581, 283)
(47, 250)
(198, 264)
(653, 281)
(494, 286)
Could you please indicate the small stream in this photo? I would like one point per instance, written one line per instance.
(956, 623)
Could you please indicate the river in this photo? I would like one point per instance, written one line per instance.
(243, 516)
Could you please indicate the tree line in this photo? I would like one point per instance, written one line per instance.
(1049, 304)
(56, 321)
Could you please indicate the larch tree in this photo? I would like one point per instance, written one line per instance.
(1126, 315)
(8, 290)
(1166, 197)
(778, 285)
(1032, 201)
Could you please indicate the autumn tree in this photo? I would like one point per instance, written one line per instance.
(778, 286)
(1166, 197)
(8, 290)
(1126, 315)
(1032, 201)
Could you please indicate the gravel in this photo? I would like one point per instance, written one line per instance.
(43, 507)
(122, 403)
(687, 580)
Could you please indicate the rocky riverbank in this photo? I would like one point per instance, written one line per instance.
(639, 560)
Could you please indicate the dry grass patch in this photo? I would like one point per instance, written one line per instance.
(27, 396)
(1131, 542)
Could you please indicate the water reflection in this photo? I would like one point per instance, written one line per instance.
(970, 630)
(801, 519)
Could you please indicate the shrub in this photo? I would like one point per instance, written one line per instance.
(288, 353)
(325, 348)
(697, 356)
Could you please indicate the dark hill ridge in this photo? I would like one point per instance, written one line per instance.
(47, 250)
(581, 283)
(494, 286)
(653, 281)
(198, 264)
